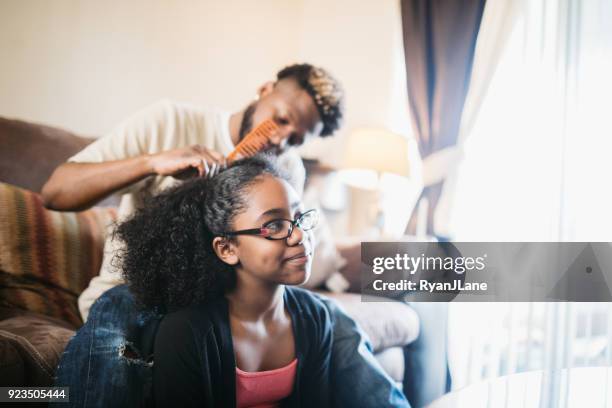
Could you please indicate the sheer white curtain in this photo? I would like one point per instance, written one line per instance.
(497, 25)
(536, 158)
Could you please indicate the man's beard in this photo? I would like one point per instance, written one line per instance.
(247, 120)
(247, 125)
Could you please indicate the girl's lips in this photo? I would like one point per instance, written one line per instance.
(299, 259)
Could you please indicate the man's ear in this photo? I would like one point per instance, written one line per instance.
(265, 89)
(225, 250)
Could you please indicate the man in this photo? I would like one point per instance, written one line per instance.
(159, 145)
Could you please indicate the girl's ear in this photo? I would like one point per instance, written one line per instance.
(225, 250)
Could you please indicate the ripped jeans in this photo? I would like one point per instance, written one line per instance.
(108, 362)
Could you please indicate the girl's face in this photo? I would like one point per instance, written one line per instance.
(286, 261)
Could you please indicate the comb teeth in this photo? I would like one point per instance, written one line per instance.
(254, 141)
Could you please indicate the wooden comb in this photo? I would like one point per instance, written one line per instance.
(255, 141)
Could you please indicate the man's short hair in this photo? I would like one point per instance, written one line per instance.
(324, 89)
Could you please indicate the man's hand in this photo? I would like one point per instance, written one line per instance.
(187, 162)
(78, 186)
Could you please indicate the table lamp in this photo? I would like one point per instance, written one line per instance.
(388, 164)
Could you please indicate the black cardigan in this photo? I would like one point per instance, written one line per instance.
(194, 355)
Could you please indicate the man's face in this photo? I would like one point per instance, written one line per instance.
(293, 110)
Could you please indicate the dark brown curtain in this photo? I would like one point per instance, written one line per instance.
(439, 42)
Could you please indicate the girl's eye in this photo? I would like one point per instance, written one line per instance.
(277, 229)
(274, 226)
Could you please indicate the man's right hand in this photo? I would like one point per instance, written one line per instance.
(78, 186)
(187, 162)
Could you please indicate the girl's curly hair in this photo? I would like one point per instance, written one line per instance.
(167, 260)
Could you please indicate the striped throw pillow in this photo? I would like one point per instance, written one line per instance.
(47, 257)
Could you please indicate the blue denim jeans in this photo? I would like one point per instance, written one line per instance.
(104, 365)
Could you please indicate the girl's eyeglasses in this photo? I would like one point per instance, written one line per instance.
(281, 228)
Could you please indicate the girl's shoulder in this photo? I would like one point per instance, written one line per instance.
(197, 319)
(312, 324)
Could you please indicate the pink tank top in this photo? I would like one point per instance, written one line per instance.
(264, 389)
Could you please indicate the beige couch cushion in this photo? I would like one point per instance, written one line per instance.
(387, 323)
(392, 361)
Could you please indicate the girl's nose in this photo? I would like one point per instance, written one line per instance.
(296, 237)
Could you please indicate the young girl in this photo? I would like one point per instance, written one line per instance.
(219, 256)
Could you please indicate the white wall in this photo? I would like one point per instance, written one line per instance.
(360, 41)
(85, 65)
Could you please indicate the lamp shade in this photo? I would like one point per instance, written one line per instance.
(388, 165)
(379, 150)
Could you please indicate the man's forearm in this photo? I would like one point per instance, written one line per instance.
(78, 186)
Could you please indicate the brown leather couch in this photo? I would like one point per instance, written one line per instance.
(31, 343)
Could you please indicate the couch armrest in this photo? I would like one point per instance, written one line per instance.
(386, 323)
(31, 346)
